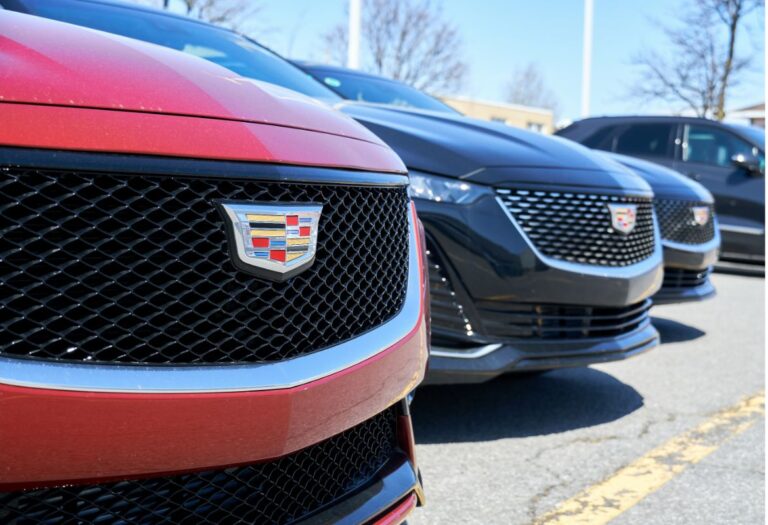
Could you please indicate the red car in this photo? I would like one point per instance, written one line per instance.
(213, 294)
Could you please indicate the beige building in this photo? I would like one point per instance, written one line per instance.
(534, 119)
(754, 115)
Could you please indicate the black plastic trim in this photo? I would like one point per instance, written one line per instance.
(156, 165)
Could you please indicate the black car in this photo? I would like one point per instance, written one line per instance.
(686, 214)
(684, 208)
(729, 160)
(543, 253)
(530, 292)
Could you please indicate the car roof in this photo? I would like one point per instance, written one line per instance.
(647, 118)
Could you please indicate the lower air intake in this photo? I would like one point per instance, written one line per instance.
(679, 278)
(551, 322)
(276, 492)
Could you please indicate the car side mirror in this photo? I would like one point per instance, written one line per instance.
(748, 162)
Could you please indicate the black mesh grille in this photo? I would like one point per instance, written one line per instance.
(447, 312)
(101, 267)
(276, 492)
(676, 221)
(576, 227)
(677, 278)
(549, 321)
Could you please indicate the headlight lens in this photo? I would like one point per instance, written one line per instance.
(440, 189)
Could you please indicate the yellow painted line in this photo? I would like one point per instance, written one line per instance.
(605, 501)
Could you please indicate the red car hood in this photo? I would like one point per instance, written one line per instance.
(52, 63)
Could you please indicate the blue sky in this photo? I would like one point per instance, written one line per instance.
(500, 35)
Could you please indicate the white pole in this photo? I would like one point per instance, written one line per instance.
(353, 46)
(586, 63)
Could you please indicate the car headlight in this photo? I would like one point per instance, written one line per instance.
(440, 189)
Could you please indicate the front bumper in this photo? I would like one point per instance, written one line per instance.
(288, 490)
(687, 268)
(743, 244)
(685, 286)
(53, 437)
(447, 366)
(490, 276)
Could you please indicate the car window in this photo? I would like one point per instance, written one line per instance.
(709, 145)
(378, 91)
(598, 139)
(644, 139)
(757, 135)
(220, 46)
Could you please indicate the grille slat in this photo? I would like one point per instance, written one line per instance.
(102, 267)
(576, 227)
(280, 491)
(677, 223)
(548, 321)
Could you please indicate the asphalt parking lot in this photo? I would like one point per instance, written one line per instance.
(676, 435)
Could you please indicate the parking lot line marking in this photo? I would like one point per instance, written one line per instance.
(606, 500)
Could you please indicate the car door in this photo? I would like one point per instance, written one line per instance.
(739, 194)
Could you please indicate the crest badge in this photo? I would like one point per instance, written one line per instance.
(700, 215)
(623, 217)
(272, 241)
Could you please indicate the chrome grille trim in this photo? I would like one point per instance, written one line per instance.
(649, 264)
(578, 226)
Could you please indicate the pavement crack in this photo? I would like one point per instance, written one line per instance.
(648, 425)
(535, 500)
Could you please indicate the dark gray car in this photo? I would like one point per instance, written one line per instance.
(728, 159)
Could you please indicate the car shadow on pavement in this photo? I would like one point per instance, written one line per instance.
(521, 406)
(674, 332)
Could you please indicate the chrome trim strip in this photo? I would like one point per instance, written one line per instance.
(474, 353)
(651, 263)
(224, 378)
(708, 246)
(742, 229)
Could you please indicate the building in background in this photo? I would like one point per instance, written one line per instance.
(526, 117)
(752, 115)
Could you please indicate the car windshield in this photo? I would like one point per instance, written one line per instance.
(220, 46)
(378, 91)
(755, 134)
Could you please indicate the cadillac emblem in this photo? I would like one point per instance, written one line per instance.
(273, 241)
(623, 217)
(700, 215)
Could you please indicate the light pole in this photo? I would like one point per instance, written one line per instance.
(353, 46)
(586, 59)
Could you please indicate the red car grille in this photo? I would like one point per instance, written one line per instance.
(114, 268)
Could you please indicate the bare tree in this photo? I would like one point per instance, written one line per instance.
(528, 87)
(700, 65)
(232, 14)
(226, 13)
(336, 41)
(407, 40)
